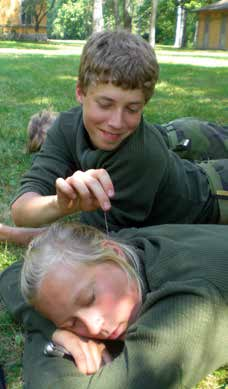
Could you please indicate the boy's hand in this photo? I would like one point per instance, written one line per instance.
(89, 354)
(85, 191)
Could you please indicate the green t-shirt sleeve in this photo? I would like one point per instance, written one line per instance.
(57, 158)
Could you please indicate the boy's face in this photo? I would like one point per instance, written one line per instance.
(92, 301)
(110, 113)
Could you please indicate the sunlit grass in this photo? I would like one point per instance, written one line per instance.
(49, 45)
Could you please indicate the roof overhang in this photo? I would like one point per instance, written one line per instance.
(218, 6)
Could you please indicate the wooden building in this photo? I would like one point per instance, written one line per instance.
(213, 26)
(18, 22)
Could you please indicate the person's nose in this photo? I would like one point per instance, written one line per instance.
(93, 322)
(116, 119)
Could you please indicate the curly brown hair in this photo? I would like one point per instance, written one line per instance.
(124, 59)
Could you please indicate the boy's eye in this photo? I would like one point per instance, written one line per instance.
(104, 105)
(133, 109)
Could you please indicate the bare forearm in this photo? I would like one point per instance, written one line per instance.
(83, 191)
(18, 235)
(34, 210)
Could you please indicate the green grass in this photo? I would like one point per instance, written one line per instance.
(11, 349)
(30, 82)
(49, 45)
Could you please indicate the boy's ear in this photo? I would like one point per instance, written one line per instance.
(79, 94)
(110, 244)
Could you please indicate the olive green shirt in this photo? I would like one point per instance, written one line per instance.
(152, 184)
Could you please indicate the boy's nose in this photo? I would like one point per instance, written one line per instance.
(116, 119)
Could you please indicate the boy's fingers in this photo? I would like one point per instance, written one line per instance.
(89, 355)
(92, 356)
(98, 192)
(105, 180)
(80, 360)
(75, 345)
(62, 186)
(80, 187)
(89, 360)
(93, 183)
(95, 357)
(107, 358)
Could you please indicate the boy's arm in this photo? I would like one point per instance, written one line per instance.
(83, 191)
(34, 210)
(55, 185)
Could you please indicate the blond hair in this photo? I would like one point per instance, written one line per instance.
(71, 243)
(124, 59)
(38, 125)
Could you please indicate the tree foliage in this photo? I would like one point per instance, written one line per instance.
(37, 9)
(73, 19)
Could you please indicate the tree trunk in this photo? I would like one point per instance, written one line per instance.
(180, 27)
(195, 40)
(98, 20)
(126, 15)
(153, 16)
(37, 24)
(116, 13)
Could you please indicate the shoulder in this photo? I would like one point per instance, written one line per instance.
(146, 142)
(66, 126)
(154, 130)
(70, 119)
(150, 146)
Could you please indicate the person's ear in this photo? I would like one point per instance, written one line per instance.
(79, 94)
(110, 244)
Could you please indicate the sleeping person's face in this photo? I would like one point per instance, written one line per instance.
(97, 301)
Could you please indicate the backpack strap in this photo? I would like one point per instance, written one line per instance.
(217, 188)
(174, 143)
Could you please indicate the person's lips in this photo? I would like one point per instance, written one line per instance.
(116, 333)
(111, 137)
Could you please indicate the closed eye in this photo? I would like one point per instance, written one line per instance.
(104, 105)
(91, 299)
(134, 109)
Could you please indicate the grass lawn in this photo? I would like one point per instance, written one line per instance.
(35, 76)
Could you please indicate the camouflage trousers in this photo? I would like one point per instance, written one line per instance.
(206, 144)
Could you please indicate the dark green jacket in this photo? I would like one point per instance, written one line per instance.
(181, 334)
(152, 184)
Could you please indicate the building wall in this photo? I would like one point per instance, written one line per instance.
(211, 25)
(226, 31)
(11, 22)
